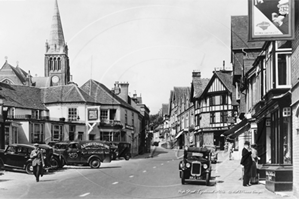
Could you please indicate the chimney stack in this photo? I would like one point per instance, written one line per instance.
(196, 75)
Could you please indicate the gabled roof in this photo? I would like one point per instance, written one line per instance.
(198, 86)
(224, 77)
(20, 74)
(65, 93)
(21, 96)
(239, 34)
(101, 94)
(181, 91)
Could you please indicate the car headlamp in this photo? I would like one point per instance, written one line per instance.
(188, 165)
(205, 166)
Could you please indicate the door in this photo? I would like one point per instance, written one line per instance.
(74, 154)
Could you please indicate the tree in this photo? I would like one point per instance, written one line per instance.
(155, 121)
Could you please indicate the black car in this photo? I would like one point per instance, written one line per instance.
(59, 148)
(17, 156)
(196, 165)
(119, 150)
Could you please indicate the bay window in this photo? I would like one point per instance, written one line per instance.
(283, 71)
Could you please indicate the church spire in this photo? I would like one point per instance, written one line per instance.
(56, 39)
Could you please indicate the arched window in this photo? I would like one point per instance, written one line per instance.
(55, 63)
(59, 63)
(50, 62)
(7, 81)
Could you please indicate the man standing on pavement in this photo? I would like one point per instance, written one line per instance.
(37, 162)
(246, 161)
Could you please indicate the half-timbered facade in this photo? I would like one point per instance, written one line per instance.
(213, 108)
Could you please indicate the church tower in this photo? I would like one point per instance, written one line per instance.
(56, 57)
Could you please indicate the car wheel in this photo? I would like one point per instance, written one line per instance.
(182, 178)
(207, 178)
(95, 163)
(54, 163)
(29, 168)
(61, 164)
(127, 157)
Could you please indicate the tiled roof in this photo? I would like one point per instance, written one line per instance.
(181, 91)
(239, 34)
(199, 86)
(66, 93)
(22, 96)
(226, 79)
(101, 94)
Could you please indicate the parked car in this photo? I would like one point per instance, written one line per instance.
(91, 153)
(119, 150)
(214, 153)
(196, 165)
(17, 156)
(59, 148)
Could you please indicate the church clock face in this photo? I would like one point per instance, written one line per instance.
(55, 79)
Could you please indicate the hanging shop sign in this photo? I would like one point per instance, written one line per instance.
(271, 20)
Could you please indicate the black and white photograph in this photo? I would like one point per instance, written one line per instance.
(149, 99)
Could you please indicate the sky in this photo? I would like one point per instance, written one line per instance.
(154, 45)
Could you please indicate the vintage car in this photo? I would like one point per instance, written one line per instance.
(59, 148)
(214, 153)
(196, 165)
(85, 153)
(17, 156)
(119, 150)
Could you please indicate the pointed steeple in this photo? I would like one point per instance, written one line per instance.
(56, 39)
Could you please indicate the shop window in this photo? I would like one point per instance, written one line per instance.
(91, 137)
(57, 133)
(37, 133)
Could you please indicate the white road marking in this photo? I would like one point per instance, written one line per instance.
(162, 163)
(168, 161)
(83, 195)
(130, 176)
(154, 167)
(144, 171)
(115, 183)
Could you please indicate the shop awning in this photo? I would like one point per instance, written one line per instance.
(240, 131)
(236, 127)
(179, 134)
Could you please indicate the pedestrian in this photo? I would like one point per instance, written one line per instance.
(37, 162)
(255, 158)
(246, 162)
(230, 150)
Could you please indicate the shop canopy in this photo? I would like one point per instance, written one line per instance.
(237, 128)
(179, 134)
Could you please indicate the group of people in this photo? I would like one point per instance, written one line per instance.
(249, 163)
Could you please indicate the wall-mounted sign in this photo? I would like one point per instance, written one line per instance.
(271, 20)
(93, 114)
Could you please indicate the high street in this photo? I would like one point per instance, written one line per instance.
(140, 177)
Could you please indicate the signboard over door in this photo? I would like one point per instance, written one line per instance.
(271, 20)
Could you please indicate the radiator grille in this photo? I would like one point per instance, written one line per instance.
(196, 168)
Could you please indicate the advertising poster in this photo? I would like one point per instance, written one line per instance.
(271, 20)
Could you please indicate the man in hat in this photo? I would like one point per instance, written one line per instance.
(37, 161)
(246, 161)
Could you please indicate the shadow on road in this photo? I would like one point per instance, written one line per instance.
(4, 180)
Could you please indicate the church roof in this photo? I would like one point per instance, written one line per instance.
(19, 73)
